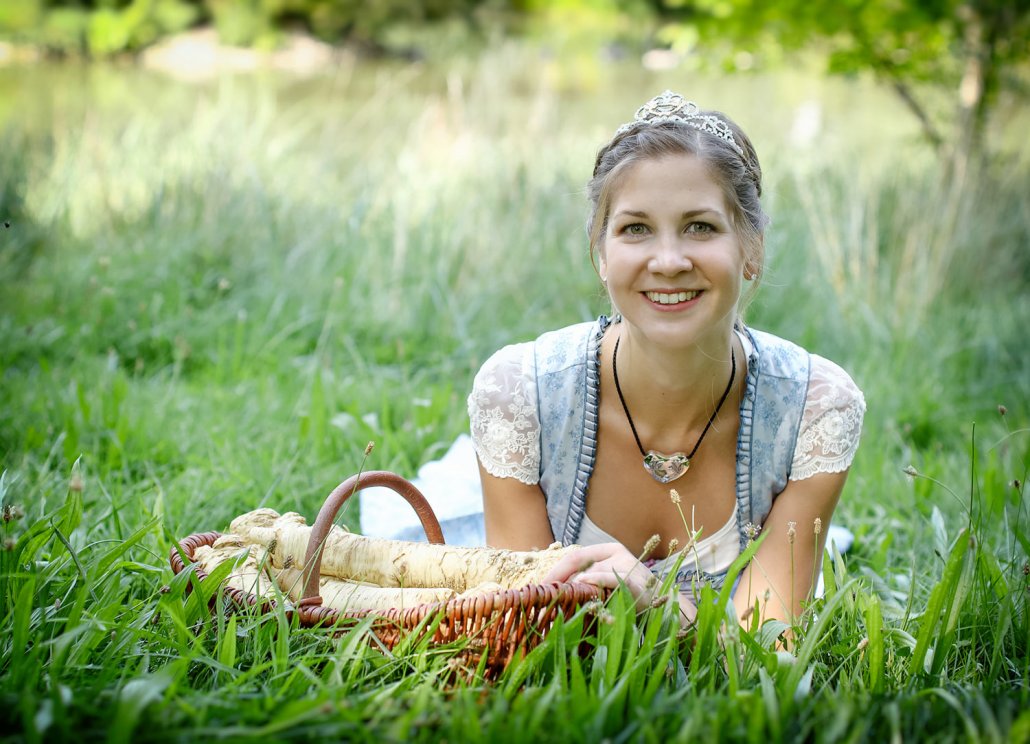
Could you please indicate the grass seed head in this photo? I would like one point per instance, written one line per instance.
(369, 447)
(1002, 410)
(674, 495)
(862, 644)
(673, 544)
(9, 543)
(792, 531)
(650, 545)
(818, 525)
(660, 600)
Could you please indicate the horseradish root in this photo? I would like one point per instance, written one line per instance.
(394, 563)
(247, 574)
(344, 595)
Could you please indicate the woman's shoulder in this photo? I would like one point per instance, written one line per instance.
(831, 425)
(775, 356)
(550, 352)
(507, 367)
(558, 350)
(778, 353)
(829, 379)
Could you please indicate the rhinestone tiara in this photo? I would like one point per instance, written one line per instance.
(671, 107)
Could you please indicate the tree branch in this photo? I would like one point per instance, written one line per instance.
(906, 94)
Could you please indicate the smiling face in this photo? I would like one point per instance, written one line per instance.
(670, 256)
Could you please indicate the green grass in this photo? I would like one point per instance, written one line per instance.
(211, 299)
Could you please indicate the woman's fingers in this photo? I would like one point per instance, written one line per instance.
(604, 579)
(580, 560)
(606, 566)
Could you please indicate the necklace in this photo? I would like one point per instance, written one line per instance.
(667, 468)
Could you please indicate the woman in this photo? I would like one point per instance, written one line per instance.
(583, 434)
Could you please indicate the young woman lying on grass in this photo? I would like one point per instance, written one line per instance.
(582, 433)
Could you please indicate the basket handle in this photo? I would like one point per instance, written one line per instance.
(335, 501)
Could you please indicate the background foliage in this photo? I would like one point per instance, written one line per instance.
(949, 62)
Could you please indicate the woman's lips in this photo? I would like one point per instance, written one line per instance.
(672, 300)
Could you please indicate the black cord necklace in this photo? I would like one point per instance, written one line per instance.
(667, 468)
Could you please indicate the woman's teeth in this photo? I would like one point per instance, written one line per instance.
(671, 298)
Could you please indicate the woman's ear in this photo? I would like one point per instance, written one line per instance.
(602, 269)
(753, 262)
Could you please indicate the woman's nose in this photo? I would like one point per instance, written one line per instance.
(671, 257)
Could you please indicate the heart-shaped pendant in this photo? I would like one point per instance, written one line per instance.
(666, 468)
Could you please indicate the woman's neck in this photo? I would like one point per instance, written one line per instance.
(673, 391)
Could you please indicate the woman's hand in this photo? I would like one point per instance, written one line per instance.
(607, 566)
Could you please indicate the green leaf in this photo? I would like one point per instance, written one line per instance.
(227, 643)
(121, 548)
(138, 693)
(940, 598)
(874, 650)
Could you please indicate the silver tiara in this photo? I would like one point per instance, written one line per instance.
(671, 107)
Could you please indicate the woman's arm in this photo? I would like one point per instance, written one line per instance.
(515, 513)
(782, 574)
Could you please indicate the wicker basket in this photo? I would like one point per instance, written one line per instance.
(499, 625)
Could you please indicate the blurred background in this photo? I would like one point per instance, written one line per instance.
(242, 238)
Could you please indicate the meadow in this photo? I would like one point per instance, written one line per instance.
(213, 296)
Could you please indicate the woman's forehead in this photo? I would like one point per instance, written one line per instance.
(667, 181)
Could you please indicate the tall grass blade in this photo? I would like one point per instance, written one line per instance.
(941, 600)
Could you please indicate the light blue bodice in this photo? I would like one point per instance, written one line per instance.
(568, 391)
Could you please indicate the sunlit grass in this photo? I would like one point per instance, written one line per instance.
(212, 298)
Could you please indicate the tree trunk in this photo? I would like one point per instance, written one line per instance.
(981, 27)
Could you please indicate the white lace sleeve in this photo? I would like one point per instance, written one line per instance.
(831, 424)
(503, 415)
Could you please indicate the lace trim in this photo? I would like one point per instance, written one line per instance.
(503, 416)
(831, 425)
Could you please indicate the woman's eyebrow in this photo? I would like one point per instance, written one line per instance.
(703, 210)
(686, 215)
